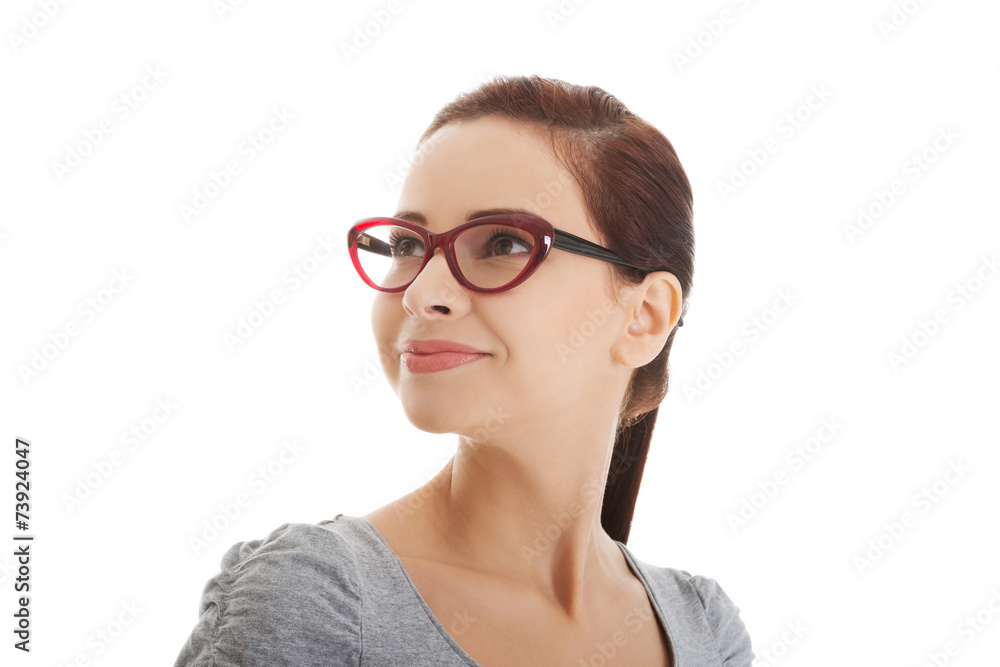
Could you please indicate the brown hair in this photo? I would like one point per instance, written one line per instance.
(640, 203)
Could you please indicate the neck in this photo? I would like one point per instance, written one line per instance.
(522, 509)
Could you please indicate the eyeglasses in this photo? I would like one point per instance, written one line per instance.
(489, 254)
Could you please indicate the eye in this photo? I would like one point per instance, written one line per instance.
(505, 241)
(403, 243)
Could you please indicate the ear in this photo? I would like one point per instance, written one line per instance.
(652, 310)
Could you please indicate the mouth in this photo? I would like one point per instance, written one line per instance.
(431, 356)
(437, 361)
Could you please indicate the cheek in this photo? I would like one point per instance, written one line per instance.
(557, 336)
(385, 329)
(553, 362)
(582, 332)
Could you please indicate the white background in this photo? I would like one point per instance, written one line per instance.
(857, 298)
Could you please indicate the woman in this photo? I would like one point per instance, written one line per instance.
(550, 373)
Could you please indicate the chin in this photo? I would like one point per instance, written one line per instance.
(437, 419)
(428, 410)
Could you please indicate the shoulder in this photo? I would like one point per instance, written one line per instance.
(723, 616)
(279, 599)
(702, 610)
(297, 562)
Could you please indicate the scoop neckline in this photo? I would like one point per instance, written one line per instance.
(633, 565)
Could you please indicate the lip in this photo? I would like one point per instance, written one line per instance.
(435, 346)
(431, 356)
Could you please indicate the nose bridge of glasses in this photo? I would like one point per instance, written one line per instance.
(445, 241)
(438, 242)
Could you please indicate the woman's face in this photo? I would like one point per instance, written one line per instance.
(549, 340)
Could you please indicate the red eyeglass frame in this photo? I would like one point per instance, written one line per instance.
(545, 235)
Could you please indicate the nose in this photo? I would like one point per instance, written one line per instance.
(435, 292)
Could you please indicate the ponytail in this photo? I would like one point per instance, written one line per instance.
(625, 475)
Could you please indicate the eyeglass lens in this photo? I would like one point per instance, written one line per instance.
(488, 255)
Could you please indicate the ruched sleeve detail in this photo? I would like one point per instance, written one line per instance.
(293, 598)
(731, 637)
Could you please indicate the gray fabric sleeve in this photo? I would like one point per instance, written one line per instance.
(280, 601)
(731, 637)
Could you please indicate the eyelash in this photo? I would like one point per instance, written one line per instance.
(396, 237)
(499, 232)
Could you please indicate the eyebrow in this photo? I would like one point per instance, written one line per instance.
(418, 218)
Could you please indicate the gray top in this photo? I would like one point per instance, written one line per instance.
(335, 593)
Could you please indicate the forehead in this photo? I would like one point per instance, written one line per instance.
(491, 163)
